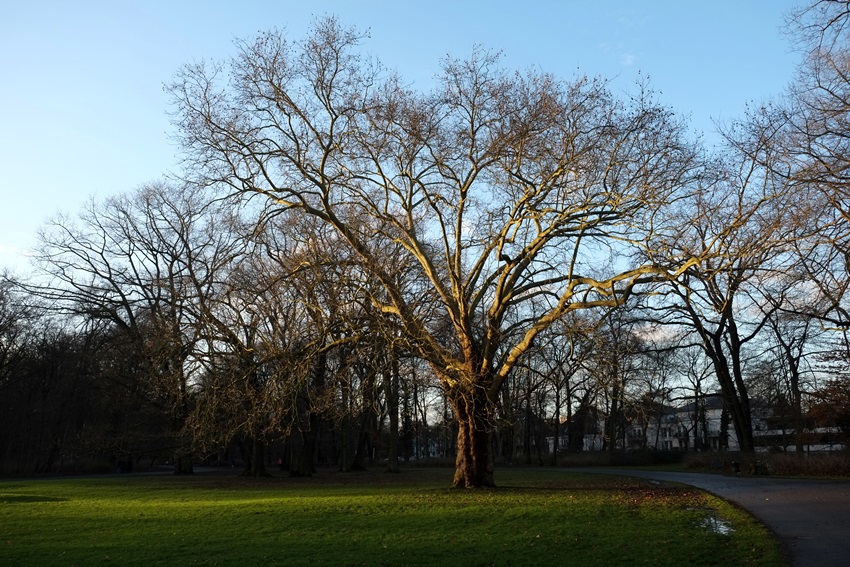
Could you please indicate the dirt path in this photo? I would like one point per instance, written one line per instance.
(811, 517)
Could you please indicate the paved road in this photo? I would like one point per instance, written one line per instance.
(811, 517)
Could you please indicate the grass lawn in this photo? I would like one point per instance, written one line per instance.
(536, 517)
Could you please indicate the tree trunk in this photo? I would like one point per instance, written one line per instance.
(256, 466)
(345, 428)
(612, 424)
(391, 383)
(410, 438)
(362, 448)
(507, 431)
(796, 395)
(183, 464)
(308, 449)
(799, 422)
(739, 411)
(527, 429)
(310, 421)
(364, 451)
(183, 455)
(557, 428)
(732, 386)
(474, 461)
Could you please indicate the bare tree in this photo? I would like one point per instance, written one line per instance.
(794, 260)
(517, 198)
(141, 262)
(14, 314)
(567, 345)
(815, 124)
(613, 365)
(706, 304)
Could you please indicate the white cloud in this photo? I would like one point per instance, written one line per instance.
(624, 55)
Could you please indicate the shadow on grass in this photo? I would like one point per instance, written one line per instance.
(28, 498)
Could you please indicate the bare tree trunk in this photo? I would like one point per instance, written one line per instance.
(183, 456)
(474, 461)
(183, 464)
(360, 452)
(368, 419)
(308, 449)
(736, 399)
(507, 433)
(345, 427)
(256, 465)
(527, 428)
(792, 359)
(391, 383)
(557, 426)
(310, 421)
(612, 424)
(799, 423)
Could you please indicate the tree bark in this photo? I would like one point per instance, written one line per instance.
(557, 426)
(612, 423)
(474, 460)
(256, 465)
(527, 433)
(183, 464)
(734, 392)
(366, 434)
(183, 457)
(799, 422)
(391, 384)
(308, 449)
(362, 451)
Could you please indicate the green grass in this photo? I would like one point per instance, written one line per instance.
(536, 517)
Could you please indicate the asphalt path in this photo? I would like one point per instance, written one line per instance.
(810, 517)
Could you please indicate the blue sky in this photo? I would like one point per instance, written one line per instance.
(83, 113)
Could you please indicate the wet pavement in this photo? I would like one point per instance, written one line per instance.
(810, 517)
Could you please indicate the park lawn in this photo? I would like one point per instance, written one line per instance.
(536, 517)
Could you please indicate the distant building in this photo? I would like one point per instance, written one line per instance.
(699, 425)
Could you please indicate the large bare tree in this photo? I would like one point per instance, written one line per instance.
(515, 198)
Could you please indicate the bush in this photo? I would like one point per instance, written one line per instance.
(584, 459)
(775, 463)
(711, 462)
(810, 464)
(620, 459)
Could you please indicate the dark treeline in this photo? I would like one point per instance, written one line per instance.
(505, 269)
